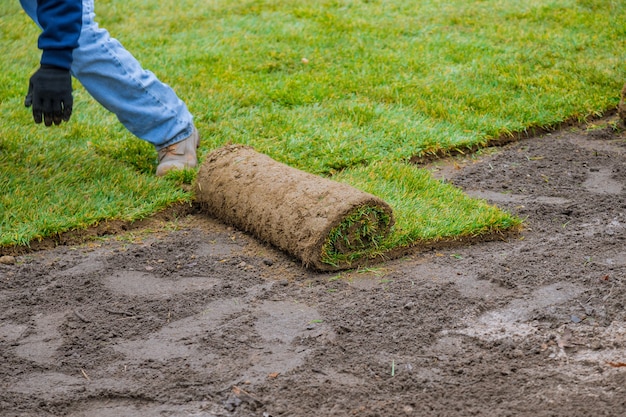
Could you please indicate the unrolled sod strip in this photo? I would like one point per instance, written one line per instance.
(326, 224)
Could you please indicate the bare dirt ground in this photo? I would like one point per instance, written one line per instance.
(196, 319)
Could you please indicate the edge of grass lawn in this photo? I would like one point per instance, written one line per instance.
(164, 220)
(501, 226)
(528, 132)
(393, 247)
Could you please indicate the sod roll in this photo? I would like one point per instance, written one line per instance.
(326, 224)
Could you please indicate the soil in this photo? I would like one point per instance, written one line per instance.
(188, 317)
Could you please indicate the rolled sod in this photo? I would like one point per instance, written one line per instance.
(326, 224)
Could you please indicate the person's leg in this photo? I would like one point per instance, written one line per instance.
(148, 108)
(30, 7)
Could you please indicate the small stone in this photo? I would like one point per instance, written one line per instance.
(576, 319)
(7, 260)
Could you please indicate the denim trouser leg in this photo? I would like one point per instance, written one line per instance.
(148, 108)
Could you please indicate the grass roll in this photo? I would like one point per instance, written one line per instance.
(326, 224)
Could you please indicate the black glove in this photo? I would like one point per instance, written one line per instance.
(50, 94)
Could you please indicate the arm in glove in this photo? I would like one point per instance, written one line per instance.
(50, 95)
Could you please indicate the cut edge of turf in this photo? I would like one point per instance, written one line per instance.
(175, 210)
(503, 139)
(153, 222)
(159, 221)
(423, 246)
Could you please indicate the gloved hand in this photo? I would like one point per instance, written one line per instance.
(50, 94)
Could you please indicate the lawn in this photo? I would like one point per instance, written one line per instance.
(350, 89)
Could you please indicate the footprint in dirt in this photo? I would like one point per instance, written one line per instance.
(277, 324)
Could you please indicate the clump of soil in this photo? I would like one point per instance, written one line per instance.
(198, 319)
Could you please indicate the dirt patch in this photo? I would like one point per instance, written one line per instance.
(202, 320)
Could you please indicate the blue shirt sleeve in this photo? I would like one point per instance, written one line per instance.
(61, 21)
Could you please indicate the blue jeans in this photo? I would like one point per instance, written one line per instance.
(148, 108)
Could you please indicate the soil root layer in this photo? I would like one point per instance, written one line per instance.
(326, 224)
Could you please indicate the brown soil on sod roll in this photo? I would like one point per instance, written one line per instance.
(326, 224)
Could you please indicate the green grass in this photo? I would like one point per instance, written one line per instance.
(360, 234)
(425, 209)
(345, 88)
